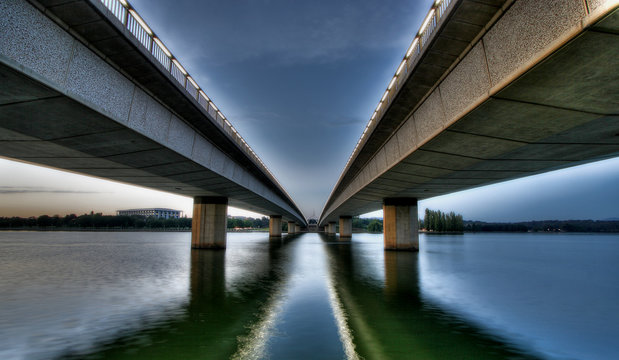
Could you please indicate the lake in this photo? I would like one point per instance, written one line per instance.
(134, 295)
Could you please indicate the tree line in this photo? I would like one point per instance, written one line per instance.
(545, 226)
(119, 222)
(438, 221)
(94, 221)
(242, 222)
(370, 225)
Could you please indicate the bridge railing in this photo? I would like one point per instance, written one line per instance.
(131, 20)
(438, 10)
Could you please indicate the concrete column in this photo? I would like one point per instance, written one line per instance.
(208, 225)
(345, 227)
(400, 224)
(331, 229)
(326, 228)
(292, 228)
(275, 226)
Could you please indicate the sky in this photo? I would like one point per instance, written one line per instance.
(299, 80)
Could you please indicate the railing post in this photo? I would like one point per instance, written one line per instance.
(125, 19)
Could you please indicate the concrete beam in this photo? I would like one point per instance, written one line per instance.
(508, 107)
(65, 95)
(275, 226)
(208, 226)
(400, 224)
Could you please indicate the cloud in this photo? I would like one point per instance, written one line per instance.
(8, 190)
(282, 31)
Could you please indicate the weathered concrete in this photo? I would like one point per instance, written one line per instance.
(510, 104)
(92, 100)
(345, 227)
(400, 224)
(292, 227)
(208, 225)
(331, 228)
(275, 226)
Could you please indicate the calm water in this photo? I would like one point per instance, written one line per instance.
(148, 295)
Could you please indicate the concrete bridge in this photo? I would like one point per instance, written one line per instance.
(488, 91)
(88, 87)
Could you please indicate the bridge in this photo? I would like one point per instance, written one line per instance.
(488, 91)
(88, 87)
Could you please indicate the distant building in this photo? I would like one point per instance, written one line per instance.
(312, 224)
(160, 213)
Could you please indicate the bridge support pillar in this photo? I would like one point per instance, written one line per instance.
(331, 228)
(275, 226)
(400, 224)
(345, 227)
(208, 224)
(292, 227)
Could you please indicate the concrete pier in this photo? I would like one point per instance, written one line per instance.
(345, 227)
(208, 225)
(400, 224)
(275, 226)
(331, 228)
(292, 227)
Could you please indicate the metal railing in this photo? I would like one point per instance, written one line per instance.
(130, 19)
(438, 10)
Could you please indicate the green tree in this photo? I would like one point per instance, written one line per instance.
(375, 226)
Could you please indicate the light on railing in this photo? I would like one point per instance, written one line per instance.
(162, 47)
(227, 122)
(384, 96)
(402, 64)
(380, 104)
(373, 116)
(213, 106)
(426, 21)
(141, 22)
(179, 66)
(412, 47)
(193, 82)
(203, 94)
(437, 2)
(220, 114)
(392, 82)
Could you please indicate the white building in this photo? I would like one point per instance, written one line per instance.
(160, 213)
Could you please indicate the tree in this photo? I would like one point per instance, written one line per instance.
(375, 226)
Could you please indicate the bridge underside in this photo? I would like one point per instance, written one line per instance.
(43, 126)
(561, 112)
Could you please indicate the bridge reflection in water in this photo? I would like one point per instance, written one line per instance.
(233, 300)
(387, 316)
(242, 304)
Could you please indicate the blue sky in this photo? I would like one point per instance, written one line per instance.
(300, 80)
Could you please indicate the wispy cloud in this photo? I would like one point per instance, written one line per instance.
(7, 190)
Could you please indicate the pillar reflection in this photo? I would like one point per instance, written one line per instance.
(207, 277)
(402, 275)
(386, 316)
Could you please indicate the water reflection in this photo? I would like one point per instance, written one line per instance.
(222, 319)
(147, 295)
(388, 319)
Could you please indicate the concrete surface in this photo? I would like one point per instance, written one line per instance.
(534, 91)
